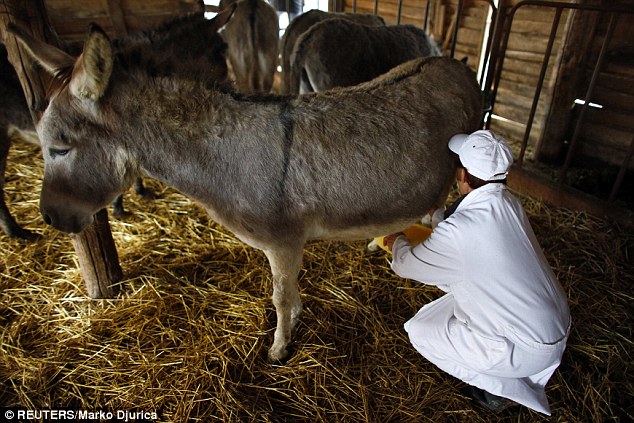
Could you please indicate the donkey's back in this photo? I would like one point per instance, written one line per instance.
(302, 23)
(373, 157)
(339, 53)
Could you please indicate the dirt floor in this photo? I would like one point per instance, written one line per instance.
(188, 335)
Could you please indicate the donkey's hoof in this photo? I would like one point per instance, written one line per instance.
(23, 234)
(278, 355)
(120, 212)
(371, 247)
(146, 194)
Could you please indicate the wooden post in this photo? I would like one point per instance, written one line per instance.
(570, 67)
(95, 248)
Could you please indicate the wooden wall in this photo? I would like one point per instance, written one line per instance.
(71, 18)
(440, 22)
(606, 133)
(525, 53)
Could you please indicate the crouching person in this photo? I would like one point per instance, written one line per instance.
(503, 323)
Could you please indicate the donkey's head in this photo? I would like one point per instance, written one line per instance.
(84, 168)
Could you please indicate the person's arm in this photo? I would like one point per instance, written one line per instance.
(437, 216)
(436, 261)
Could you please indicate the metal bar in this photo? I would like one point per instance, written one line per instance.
(503, 31)
(486, 59)
(426, 16)
(354, 6)
(455, 29)
(581, 6)
(584, 107)
(489, 45)
(400, 8)
(621, 175)
(496, 52)
(540, 84)
(376, 7)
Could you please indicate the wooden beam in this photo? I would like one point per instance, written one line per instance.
(569, 74)
(95, 248)
(118, 18)
(537, 186)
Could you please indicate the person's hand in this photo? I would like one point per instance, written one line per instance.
(388, 240)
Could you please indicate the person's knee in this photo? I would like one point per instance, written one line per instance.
(419, 334)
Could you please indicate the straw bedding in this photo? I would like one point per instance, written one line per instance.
(188, 335)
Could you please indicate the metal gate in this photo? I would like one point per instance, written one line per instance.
(495, 42)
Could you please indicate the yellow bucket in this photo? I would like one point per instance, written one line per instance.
(415, 234)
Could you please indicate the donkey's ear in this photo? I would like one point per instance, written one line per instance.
(92, 70)
(51, 59)
(221, 19)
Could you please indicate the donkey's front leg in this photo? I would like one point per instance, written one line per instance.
(285, 266)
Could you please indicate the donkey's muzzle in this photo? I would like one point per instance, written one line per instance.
(65, 222)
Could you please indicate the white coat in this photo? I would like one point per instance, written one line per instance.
(504, 322)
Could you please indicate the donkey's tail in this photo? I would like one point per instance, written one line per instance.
(264, 40)
(298, 72)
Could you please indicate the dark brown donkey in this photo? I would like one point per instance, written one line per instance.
(181, 46)
(351, 163)
(302, 23)
(341, 53)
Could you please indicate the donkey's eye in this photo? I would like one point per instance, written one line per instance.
(57, 152)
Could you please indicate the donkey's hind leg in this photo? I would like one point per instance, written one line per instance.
(285, 266)
(142, 191)
(8, 225)
(139, 189)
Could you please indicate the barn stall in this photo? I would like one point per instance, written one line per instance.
(187, 335)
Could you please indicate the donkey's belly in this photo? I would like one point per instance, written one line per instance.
(353, 233)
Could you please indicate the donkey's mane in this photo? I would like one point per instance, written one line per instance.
(163, 71)
(392, 77)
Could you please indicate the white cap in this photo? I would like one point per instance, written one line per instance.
(484, 155)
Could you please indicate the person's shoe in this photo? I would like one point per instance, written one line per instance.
(488, 400)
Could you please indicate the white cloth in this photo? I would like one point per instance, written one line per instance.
(504, 322)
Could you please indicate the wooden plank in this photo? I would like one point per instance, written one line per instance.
(615, 118)
(579, 32)
(541, 188)
(598, 136)
(516, 112)
(530, 69)
(117, 18)
(615, 81)
(95, 248)
(529, 43)
(518, 90)
(142, 23)
(535, 14)
(159, 7)
(71, 8)
(614, 100)
(527, 56)
(387, 9)
(77, 28)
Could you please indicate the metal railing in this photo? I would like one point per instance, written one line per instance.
(504, 31)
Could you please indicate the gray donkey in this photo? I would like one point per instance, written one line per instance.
(341, 53)
(252, 37)
(180, 45)
(302, 23)
(277, 171)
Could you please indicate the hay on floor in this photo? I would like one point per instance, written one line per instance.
(187, 337)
